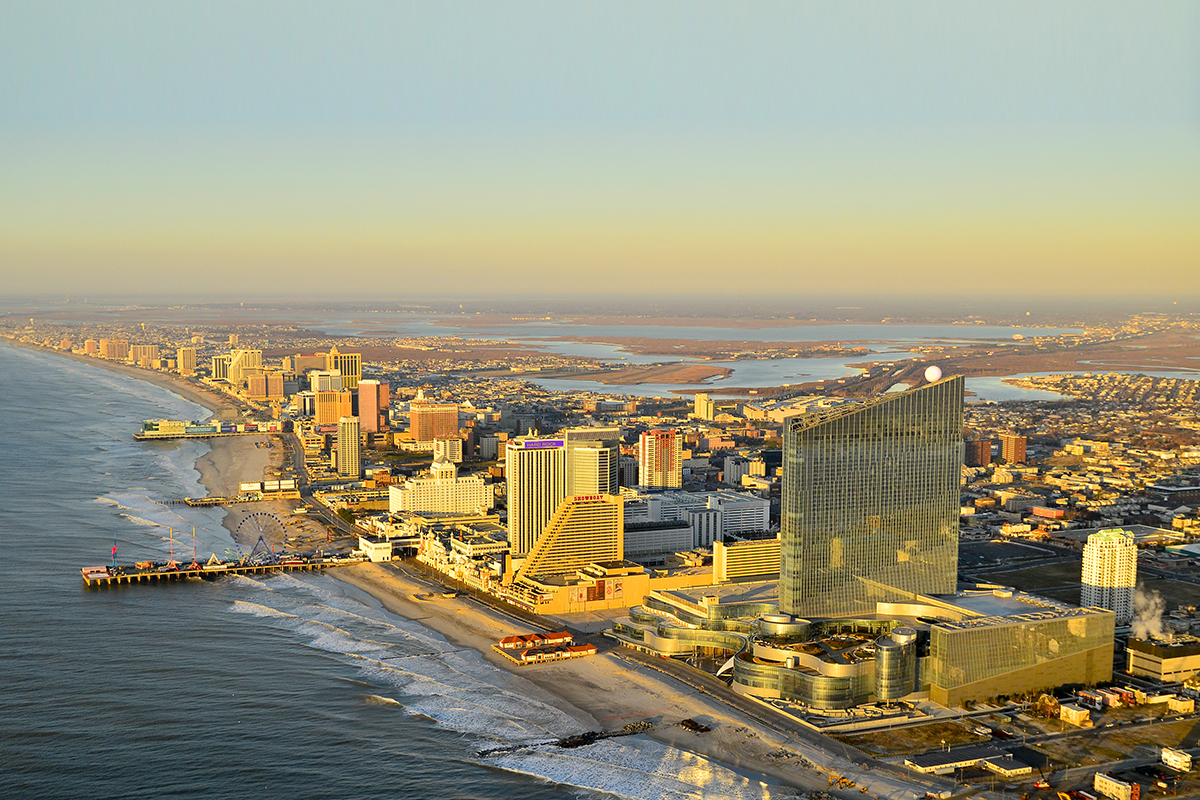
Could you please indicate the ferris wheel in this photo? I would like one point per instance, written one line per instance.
(260, 525)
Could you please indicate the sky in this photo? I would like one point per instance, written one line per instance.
(356, 149)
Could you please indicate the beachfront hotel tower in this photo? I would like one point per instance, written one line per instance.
(660, 460)
(185, 361)
(536, 472)
(444, 491)
(870, 502)
(349, 365)
(583, 530)
(1109, 573)
(348, 459)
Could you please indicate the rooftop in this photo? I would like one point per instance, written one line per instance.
(758, 592)
(1001, 602)
(1042, 615)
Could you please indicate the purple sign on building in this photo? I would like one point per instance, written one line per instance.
(541, 444)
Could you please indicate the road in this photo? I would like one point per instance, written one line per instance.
(306, 490)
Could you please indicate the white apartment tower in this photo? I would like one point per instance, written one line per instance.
(348, 435)
(705, 408)
(536, 472)
(1110, 573)
(660, 460)
(243, 364)
(185, 361)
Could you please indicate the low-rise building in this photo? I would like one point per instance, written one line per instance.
(375, 549)
(1117, 789)
(975, 645)
(1075, 715)
(1177, 759)
(1169, 661)
(989, 757)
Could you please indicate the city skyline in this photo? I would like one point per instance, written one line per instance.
(543, 400)
(827, 546)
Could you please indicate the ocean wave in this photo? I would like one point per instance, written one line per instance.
(140, 520)
(638, 768)
(247, 582)
(244, 607)
(108, 501)
(458, 690)
(455, 688)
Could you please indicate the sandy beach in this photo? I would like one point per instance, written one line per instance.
(249, 459)
(231, 460)
(189, 389)
(603, 692)
(606, 691)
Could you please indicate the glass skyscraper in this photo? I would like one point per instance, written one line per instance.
(871, 501)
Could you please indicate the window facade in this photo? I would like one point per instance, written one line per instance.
(871, 501)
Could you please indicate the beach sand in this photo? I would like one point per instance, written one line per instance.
(231, 459)
(606, 691)
(603, 692)
(248, 459)
(217, 403)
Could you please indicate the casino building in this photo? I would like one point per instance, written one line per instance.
(867, 607)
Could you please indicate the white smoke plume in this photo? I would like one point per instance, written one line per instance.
(1148, 610)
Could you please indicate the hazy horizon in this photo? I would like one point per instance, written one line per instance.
(537, 149)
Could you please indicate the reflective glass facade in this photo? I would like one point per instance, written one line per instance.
(870, 502)
(985, 657)
(895, 669)
(803, 686)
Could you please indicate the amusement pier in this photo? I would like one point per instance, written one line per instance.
(158, 572)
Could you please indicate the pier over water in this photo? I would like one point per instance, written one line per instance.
(95, 577)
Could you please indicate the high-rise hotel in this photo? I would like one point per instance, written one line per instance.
(348, 365)
(349, 463)
(536, 471)
(1109, 573)
(592, 458)
(870, 502)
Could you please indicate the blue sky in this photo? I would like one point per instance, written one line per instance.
(529, 147)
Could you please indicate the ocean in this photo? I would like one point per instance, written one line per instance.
(289, 686)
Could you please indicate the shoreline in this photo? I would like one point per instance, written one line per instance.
(603, 691)
(212, 402)
(229, 461)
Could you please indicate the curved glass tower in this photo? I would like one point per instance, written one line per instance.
(871, 501)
